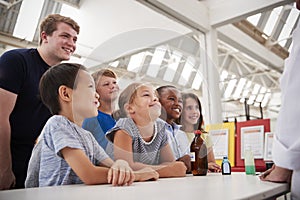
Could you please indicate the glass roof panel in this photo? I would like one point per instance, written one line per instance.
(230, 88)
(288, 27)
(26, 24)
(156, 61)
(135, 62)
(187, 70)
(197, 82)
(224, 75)
(272, 20)
(254, 19)
(239, 88)
(266, 99)
(172, 65)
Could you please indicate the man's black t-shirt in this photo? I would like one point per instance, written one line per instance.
(20, 73)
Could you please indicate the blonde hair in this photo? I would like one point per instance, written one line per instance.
(126, 96)
(103, 72)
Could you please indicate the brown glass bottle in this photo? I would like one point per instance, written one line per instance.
(199, 162)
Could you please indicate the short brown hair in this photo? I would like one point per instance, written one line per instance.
(49, 24)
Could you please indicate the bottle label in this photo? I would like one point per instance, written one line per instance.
(226, 168)
(193, 156)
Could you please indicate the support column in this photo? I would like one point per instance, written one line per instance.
(211, 89)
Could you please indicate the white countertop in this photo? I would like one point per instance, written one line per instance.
(213, 186)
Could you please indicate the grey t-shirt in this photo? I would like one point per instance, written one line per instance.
(46, 165)
(144, 152)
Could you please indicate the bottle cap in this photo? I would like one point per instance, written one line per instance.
(197, 132)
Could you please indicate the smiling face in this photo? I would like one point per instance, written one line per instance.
(144, 104)
(61, 43)
(191, 112)
(84, 97)
(107, 88)
(171, 101)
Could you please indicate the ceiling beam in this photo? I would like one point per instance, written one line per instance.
(230, 11)
(5, 3)
(243, 42)
(10, 3)
(193, 14)
(74, 3)
(261, 38)
(15, 42)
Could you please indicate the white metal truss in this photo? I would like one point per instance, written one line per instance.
(250, 55)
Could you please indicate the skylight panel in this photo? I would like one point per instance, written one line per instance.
(239, 88)
(229, 88)
(256, 104)
(172, 65)
(247, 89)
(114, 64)
(251, 99)
(156, 61)
(259, 97)
(288, 27)
(272, 20)
(256, 89)
(136, 62)
(262, 90)
(266, 99)
(197, 81)
(224, 75)
(254, 19)
(187, 70)
(68, 10)
(26, 23)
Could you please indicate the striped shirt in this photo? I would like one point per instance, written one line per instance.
(47, 167)
(144, 152)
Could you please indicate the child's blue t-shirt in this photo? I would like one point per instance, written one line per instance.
(98, 126)
(47, 167)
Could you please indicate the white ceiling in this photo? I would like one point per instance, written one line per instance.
(120, 28)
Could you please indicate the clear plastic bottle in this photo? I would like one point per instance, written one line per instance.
(199, 162)
(226, 167)
(249, 162)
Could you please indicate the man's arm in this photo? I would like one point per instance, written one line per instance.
(7, 103)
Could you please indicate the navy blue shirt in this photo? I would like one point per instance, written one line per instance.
(20, 73)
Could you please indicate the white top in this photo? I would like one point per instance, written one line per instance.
(286, 146)
(213, 186)
(286, 143)
(178, 140)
